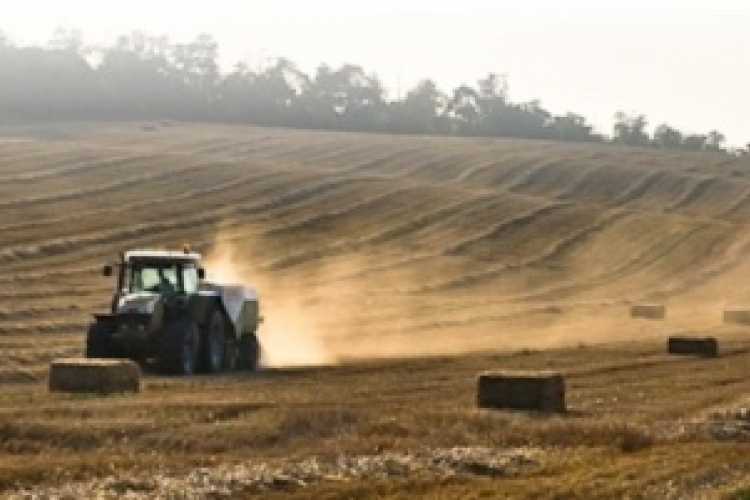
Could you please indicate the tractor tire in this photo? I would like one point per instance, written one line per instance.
(230, 356)
(179, 347)
(248, 355)
(99, 341)
(213, 353)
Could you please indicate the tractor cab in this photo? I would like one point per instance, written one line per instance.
(146, 275)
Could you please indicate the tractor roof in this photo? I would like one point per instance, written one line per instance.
(161, 255)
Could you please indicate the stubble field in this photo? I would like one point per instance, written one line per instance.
(392, 270)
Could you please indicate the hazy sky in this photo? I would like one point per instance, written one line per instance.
(683, 62)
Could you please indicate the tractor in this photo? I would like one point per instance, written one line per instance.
(163, 310)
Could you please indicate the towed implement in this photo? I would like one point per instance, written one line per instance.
(164, 311)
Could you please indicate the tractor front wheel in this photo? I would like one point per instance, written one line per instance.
(98, 341)
(178, 347)
(214, 344)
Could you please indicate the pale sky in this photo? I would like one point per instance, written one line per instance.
(682, 62)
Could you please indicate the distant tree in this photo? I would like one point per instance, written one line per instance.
(492, 93)
(421, 110)
(275, 93)
(42, 84)
(570, 127)
(196, 63)
(146, 77)
(715, 141)
(694, 142)
(346, 98)
(630, 130)
(465, 109)
(140, 80)
(667, 137)
(492, 105)
(236, 102)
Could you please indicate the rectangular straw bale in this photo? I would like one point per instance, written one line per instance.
(737, 316)
(104, 376)
(539, 391)
(648, 311)
(695, 346)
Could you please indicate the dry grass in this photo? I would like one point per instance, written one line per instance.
(405, 266)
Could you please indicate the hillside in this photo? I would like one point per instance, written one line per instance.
(366, 246)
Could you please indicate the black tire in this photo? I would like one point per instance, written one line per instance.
(230, 356)
(248, 355)
(179, 345)
(99, 341)
(213, 353)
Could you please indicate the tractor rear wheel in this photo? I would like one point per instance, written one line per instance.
(248, 355)
(178, 347)
(214, 349)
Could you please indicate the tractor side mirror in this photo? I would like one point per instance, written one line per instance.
(201, 273)
(107, 271)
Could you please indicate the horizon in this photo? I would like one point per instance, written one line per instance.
(673, 63)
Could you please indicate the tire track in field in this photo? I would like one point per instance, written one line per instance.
(187, 195)
(639, 188)
(384, 236)
(469, 174)
(217, 214)
(132, 233)
(632, 266)
(570, 191)
(440, 170)
(388, 232)
(528, 176)
(737, 207)
(318, 218)
(505, 226)
(387, 235)
(380, 162)
(45, 328)
(735, 255)
(35, 312)
(71, 168)
(337, 156)
(698, 189)
(51, 293)
(100, 189)
(554, 251)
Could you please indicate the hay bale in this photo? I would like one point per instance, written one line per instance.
(540, 391)
(693, 346)
(104, 376)
(737, 316)
(648, 311)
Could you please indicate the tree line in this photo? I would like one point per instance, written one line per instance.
(143, 77)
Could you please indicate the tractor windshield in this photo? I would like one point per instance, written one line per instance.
(166, 277)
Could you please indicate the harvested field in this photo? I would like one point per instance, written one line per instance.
(392, 270)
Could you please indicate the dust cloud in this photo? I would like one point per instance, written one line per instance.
(333, 310)
(329, 311)
(289, 335)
